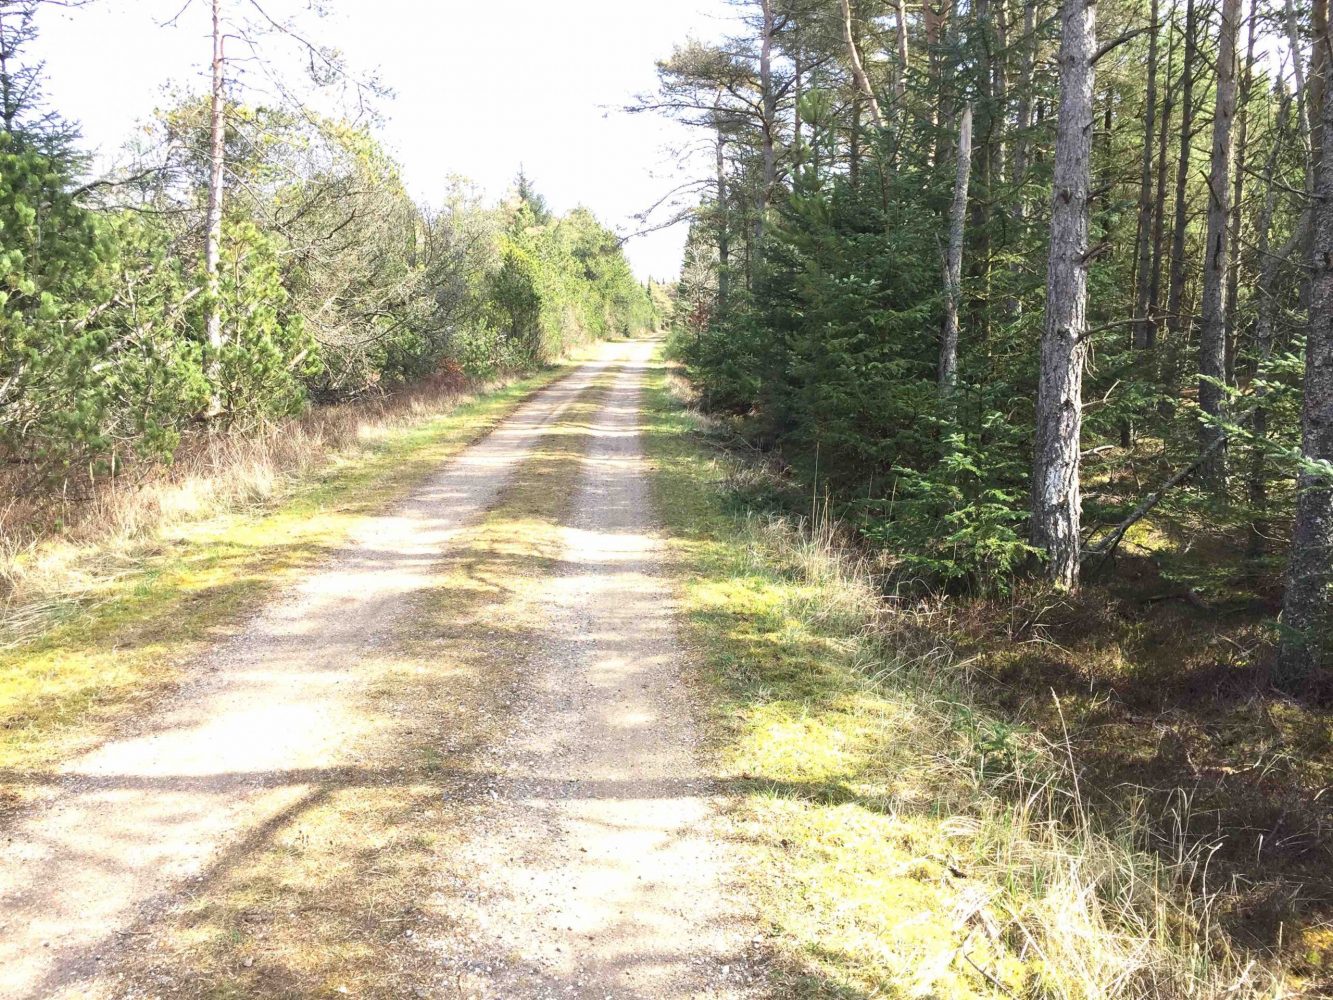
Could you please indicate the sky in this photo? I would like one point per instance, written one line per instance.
(480, 87)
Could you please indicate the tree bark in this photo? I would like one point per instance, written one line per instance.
(1159, 209)
(1238, 189)
(1307, 606)
(1175, 320)
(1213, 330)
(900, 78)
(858, 71)
(1022, 141)
(723, 222)
(1144, 332)
(769, 100)
(217, 155)
(1056, 500)
(953, 261)
(1270, 264)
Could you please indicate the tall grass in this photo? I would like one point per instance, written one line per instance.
(1095, 905)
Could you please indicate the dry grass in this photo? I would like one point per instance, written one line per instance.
(905, 838)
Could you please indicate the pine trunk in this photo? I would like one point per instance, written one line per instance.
(1175, 320)
(1213, 330)
(1143, 327)
(953, 262)
(1056, 501)
(217, 155)
(1306, 608)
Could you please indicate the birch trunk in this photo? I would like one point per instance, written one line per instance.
(953, 261)
(213, 235)
(1307, 607)
(1056, 501)
(1213, 331)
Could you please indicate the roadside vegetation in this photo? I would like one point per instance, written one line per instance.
(1033, 301)
(218, 353)
(907, 833)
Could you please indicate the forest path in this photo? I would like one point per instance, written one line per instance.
(482, 693)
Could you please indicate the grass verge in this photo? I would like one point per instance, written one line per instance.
(147, 604)
(902, 839)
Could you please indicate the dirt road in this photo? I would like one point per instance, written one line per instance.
(579, 856)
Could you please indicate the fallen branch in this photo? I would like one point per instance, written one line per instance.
(1112, 541)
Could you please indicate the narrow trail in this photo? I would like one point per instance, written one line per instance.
(582, 859)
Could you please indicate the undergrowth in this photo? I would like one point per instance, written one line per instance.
(904, 837)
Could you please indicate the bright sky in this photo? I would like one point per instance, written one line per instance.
(481, 86)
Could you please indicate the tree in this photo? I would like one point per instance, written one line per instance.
(1056, 498)
(1307, 607)
(213, 220)
(1213, 332)
(953, 260)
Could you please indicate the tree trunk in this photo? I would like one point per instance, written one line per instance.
(935, 18)
(1022, 141)
(1238, 189)
(900, 78)
(217, 155)
(723, 236)
(1265, 322)
(769, 99)
(1056, 502)
(1175, 320)
(1213, 330)
(1307, 605)
(858, 71)
(983, 20)
(1159, 209)
(1144, 332)
(1318, 78)
(953, 261)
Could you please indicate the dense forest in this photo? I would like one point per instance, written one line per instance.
(1007, 278)
(254, 254)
